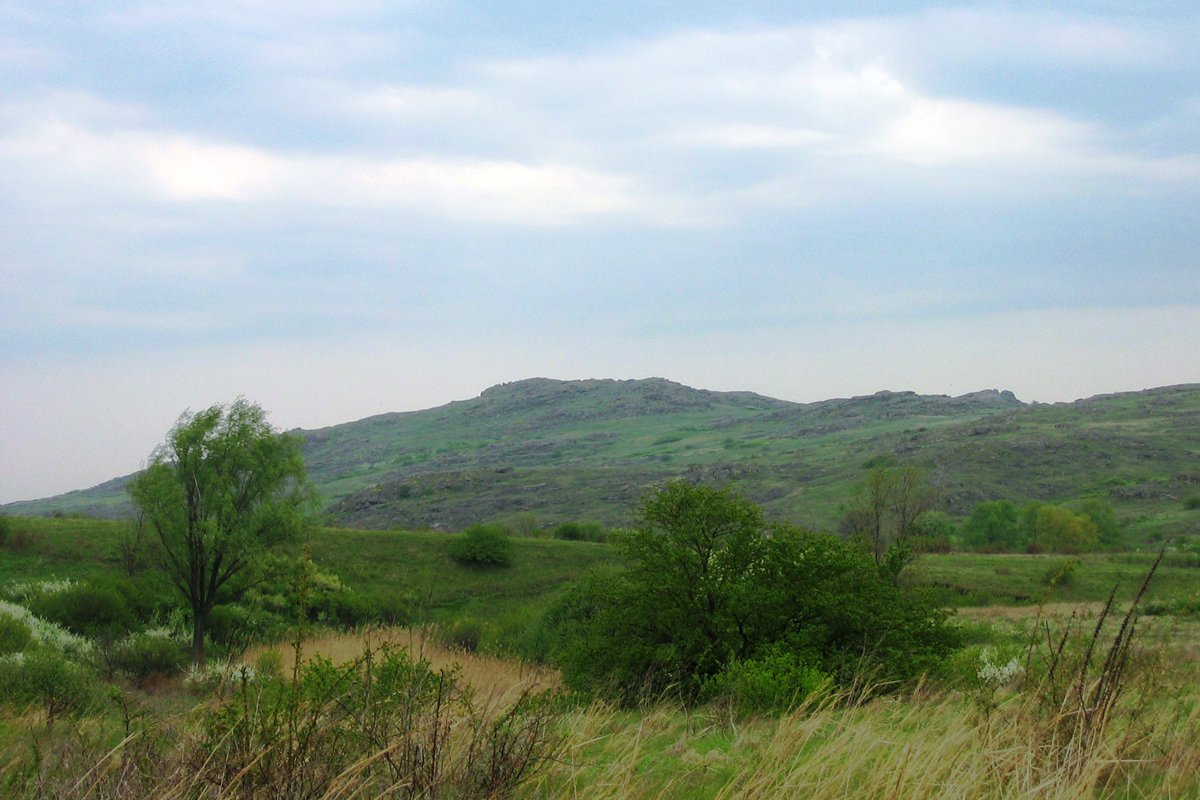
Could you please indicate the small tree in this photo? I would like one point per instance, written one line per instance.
(884, 508)
(221, 488)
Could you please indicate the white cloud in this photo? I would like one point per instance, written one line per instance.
(186, 169)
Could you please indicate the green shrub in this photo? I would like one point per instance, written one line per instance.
(235, 626)
(580, 532)
(44, 678)
(269, 664)
(15, 635)
(482, 546)
(5, 530)
(143, 656)
(1191, 502)
(709, 582)
(774, 680)
(463, 635)
(93, 609)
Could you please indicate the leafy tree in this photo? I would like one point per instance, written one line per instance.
(995, 525)
(884, 509)
(222, 487)
(1059, 529)
(710, 583)
(1107, 527)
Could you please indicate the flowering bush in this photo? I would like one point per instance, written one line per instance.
(47, 633)
(997, 674)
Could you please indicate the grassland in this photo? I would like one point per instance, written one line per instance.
(955, 735)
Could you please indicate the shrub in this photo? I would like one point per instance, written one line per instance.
(5, 530)
(143, 656)
(580, 532)
(464, 635)
(482, 546)
(269, 664)
(46, 679)
(774, 680)
(710, 583)
(14, 634)
(1191, 502)
(91, 609)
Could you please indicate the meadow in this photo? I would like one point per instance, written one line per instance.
(997, 721)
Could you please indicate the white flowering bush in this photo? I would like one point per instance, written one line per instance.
(994, 671)
(209, 677)
(21, 591)
(47, 633)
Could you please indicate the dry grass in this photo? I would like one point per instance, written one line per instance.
(1051, 611)
(917, 747)
(495, 680)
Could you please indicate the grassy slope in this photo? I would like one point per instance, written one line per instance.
(588, 449)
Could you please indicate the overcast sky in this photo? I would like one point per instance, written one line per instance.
(348, 207)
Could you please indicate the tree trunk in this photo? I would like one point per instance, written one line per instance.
(199, 627)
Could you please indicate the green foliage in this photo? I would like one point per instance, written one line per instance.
(710, 583)
(884, 509)
(144, 656)
(5, 529)
(96, 609)
(1102, 515)
(463, 635)
(221, 488)
(46, 679)
(774, 680)
(580, 532)
(1059, 530)
(482, 546)
(15, 635)
(1191, 502)
(994, 527)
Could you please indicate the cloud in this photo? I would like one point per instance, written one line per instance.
(177, 168)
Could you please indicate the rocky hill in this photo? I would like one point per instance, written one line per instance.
(543, 451)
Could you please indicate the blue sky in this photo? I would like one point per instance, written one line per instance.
(344, 208)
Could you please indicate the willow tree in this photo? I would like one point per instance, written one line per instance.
(222, 488)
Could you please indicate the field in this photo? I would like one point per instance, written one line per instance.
(956, 734)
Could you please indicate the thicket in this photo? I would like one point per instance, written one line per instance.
(482, 546)
(1001, 526)
(716, 598)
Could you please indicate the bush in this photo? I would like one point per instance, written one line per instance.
(144, 656)
(44, 678)
(482, 546)
(580, 532)
(93, 609)
(5, 530)
(15, 635)
(1191, 502)
(463, 635)
(774, 680)
(710, 583)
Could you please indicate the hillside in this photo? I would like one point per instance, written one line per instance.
(547, 451)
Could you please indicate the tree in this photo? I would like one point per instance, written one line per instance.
(222, 487)
(994, 526)
(884, 509)
(710, 584)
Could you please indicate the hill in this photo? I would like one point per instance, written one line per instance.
(545, 451)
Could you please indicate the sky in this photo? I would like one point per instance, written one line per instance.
(339, 208)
